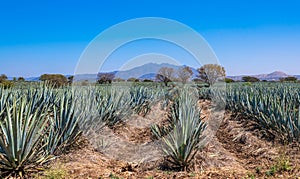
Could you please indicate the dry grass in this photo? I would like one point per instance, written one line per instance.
(238, 150)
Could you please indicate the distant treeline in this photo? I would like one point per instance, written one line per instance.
(209, 74)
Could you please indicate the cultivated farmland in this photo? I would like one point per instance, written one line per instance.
(243, 130)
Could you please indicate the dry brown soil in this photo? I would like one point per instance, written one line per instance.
(238, 150)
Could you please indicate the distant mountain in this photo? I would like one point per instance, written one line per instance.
(144, 71)
(33, 79)
(149, 70)
(27, 79)
(150, 76)
(275, 76)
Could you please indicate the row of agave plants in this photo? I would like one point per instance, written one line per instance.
(34, 123)
(37, 124)
(181, 138)
(273, 106)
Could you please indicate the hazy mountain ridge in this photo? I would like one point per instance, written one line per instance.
(146, 71)
(149, 70)
(274, 76)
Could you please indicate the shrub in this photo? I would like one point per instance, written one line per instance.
(228, 80)
(147, 80)
(21, 79)
(133, 80)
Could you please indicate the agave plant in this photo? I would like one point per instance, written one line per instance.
(182, 141)
(113, 105)
(64, 128)
(5, 98)
(21, 137)
(141, 99)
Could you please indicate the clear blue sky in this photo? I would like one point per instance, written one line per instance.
(249, 37)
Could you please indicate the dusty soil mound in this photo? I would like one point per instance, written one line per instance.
(254, 149)
(136, 128)
(238, 150)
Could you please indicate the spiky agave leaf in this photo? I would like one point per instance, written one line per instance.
(141, 99)
(182, 142)
(274, 106)
(22, 133)
(64, 128)
(113, 105)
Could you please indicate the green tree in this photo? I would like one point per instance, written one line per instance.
(4, 83)
(3, 78)
(229, 80)
(211, 73)
(250, 79)
(57, 80)
(289, 79)
(21, 79)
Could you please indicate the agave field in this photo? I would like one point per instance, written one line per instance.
(39, 123)
(274, 107)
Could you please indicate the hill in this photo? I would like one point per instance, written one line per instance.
(274, 76)
(149, 70)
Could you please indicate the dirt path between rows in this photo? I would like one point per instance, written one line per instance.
(237, 150)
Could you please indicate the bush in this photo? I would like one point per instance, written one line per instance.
(21, 79)
(228, 80)
(118, 80)
(133, 80)
(147, 80)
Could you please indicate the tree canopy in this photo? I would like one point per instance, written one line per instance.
(57, 80)
(3, 78)
(289, 79)
(184, 74)
(103, 78)
(21, 79)
(133, 80)
(165, 75)
(250, 79)
(211, 73)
